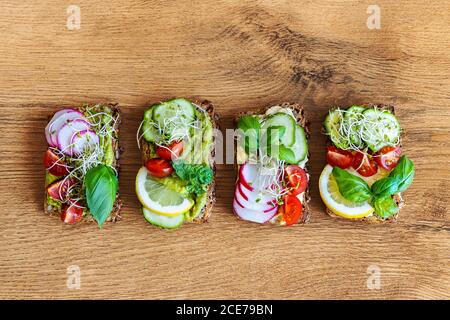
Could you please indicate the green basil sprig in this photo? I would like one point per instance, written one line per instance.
(404, 172)
(197, 176)
(385, 206)
(351, 187)
(101, 187)
(249, 126)
(355, 189)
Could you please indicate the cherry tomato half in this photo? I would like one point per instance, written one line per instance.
(339, 158)
(388, 157)
(58, 190)
(71, 213)
(54, 165)
(364, 164)
(292, 209)
(159, 168)
(170, 152)
(297, 179)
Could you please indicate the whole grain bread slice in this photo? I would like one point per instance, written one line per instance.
(397, 197)
(300, 116)
(205, 214)
(115, 213)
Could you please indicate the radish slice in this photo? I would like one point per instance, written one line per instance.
(248, 173)
(86, 139)
(255, 201)
(58, 121)
(253, 215)
(48, 135)
(68, 131)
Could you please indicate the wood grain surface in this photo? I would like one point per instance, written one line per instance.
(241, 55)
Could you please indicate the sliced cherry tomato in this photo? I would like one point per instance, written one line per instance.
(292, 209)
(297, 179)
(54, 165)
(388, 157)
(170, 152)
(71, 213)
(58, 190)
(159, 168)
(364, 164)
(339, 158)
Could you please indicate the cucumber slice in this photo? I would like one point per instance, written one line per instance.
(163, 221)
(282, 120)
(173, 116)
(332, 124)
(174, 108)
(382, 129)
(352, 116)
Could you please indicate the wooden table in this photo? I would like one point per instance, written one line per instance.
(241, 55)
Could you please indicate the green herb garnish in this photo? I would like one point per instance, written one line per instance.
(355, 189)
(197, 176)
(101, 187)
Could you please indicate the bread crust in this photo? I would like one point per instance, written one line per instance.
(373, 219)
(205, 214)
(302, 120)
(115, 213)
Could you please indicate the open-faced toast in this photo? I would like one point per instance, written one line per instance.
(364, 143)
(82, 164)
(177, 140)
(288, 190)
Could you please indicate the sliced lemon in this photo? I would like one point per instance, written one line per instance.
(158, 198)
(329, 191)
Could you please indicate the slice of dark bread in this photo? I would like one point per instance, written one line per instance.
(115, 213)
(397, 197)
(299, 114)
(211, 191)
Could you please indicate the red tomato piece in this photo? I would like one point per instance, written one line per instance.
(364, 164)
(339, 158)
(71, 213)
(297, 179)
(54, 165)
(58, 190)
(292, 209)
(387, 157)
(170, 152)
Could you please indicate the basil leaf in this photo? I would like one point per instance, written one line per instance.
(101, 187)
(249, 127)
(248, 122)
(351, 187)
(385, 187)
(286, 154)
(404, 173)
(385, 207)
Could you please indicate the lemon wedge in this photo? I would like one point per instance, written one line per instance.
(329, 191)
(157, 198)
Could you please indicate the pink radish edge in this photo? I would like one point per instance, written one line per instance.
(252, 215)
(54, 125)
(262, 207)
(72, 127)
(80, 136)
(244, 181)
